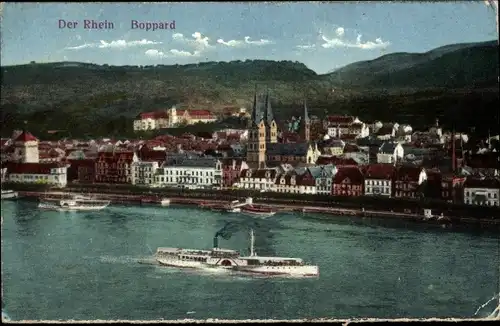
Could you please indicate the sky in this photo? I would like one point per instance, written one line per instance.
(323, 36)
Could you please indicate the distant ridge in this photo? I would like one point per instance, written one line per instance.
(468, 64)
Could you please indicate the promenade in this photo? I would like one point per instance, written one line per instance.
(147, 199)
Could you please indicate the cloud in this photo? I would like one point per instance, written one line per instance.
(245, 42)
(174, 53)
(155, 54)
(178, 53)
(306, 47)
(232, 43)
(259, 42)
(339, 41)
(118, 44)
(198, 41)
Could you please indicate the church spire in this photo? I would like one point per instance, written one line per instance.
(268, 111)
(306, 113)
(253, 117)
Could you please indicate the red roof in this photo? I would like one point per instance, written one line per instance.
(352, 173)
(351, 148)
(338, 161)
(489, 183)
(380, 171)
(26, 136)
(409, 173)
(32, 168)
(339, 119)
(83, 162)
(154, 115)
(200, 114)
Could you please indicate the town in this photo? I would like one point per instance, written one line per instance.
(336, 155)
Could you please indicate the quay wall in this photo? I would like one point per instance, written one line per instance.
(399, 206)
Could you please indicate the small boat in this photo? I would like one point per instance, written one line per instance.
(257, 211)
(165, 202)
(9, 194)
(76, 203)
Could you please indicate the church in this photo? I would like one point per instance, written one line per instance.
(263, 148)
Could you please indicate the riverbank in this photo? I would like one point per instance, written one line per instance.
(203, 203)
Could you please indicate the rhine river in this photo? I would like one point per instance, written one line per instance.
(84, 266)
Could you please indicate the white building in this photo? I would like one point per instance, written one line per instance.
(378, 180)
(171, 118)
(258, 179)
(323, 175)
(27, 168)
(484, 192)
(190, 172)
(40, 173)
(296, 181)
(390, 153)
(143, 172)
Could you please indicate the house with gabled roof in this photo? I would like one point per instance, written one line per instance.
(390, 153)
(258, 179)
(348, 181)
(323, 175)
(378, 179)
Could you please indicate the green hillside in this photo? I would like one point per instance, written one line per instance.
(101, 99)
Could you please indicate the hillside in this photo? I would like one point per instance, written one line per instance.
(470, 64)
(94, 98)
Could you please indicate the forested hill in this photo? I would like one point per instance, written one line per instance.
(81, 96)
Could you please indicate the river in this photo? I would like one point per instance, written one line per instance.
(84, 266)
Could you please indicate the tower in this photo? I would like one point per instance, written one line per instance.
(26, 148)
(305, 125)
(270, 124)
(256, 146)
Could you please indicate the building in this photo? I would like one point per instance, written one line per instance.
(115, 167)
(81, 170)
(297, 154)
(258, 179)
(262, 131)
(298, 181)
(26, 148)
(231, 171)
(190, 171)
(323, 175)
(348, 181)
(26, 167)
(263, 146)
(378, 179)
(407, 181)
(485, 192)
(333, 147)
(40, 173)
(452, 188)
(171, 118)
(336, 125)
(143, 172)
(390, 153)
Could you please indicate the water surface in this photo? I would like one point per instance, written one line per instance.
(84, 265)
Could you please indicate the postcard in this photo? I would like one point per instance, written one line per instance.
(248, 161)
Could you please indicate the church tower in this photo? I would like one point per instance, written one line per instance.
(26, 148)
(270, 123)
(256, 145)
(305, 125)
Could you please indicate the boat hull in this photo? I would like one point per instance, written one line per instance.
(9, 195)
(180, 263)
(71, 209)
(296, 271)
